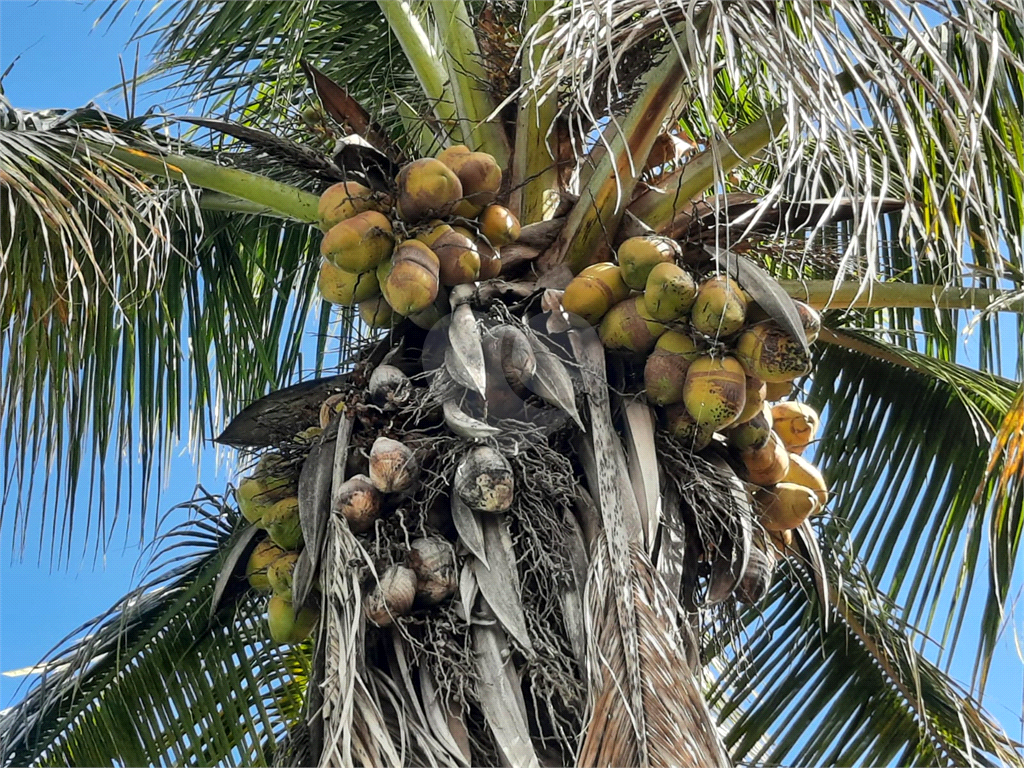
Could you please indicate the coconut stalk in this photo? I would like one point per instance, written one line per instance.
(468, 80)
(534, 175)
(273, 196)
(603, 201)
(428, 66)
(658, 207)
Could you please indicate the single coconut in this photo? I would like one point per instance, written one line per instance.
(484, 480)
(393, 466)
(393, 596)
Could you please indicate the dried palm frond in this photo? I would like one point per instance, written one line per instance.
(678, 726)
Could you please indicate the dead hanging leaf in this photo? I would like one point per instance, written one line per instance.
(668, 149)
(677, 727)
(464, 358)
(501, 701)
(468, 590)
(642, 463)
(552, 382)
(273, 419)
(464, 425)
(342, 107)
(766, 292)
(499, 581)
(733, 554)
(439, 715)
(239, 552)
(467, 525)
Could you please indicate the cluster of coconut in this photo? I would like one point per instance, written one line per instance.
(394, 253)
(268, 499)
(714, 364)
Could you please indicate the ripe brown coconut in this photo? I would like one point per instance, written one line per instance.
(457, 254)
(411, 279)
(479, 174)
(427, 189)
(498, 225)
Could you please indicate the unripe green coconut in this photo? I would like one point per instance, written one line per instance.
(720, 308)
(670, 292)
(263, 556)
(346, 288)
(280, 574)
(282, 523)
(639, 255)
(360, 243)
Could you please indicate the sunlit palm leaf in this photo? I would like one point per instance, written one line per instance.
(855, 694)
(906, 452)
(152, 682)
(121, 303)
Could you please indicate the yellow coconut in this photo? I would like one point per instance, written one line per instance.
(715, 390)
(766, 465)
(665, 371)
(785, 506)
(802, 472)
(411, 279)
(771, 354)
(639, 255)
(753, 433)
(490, 259)
(796, 423)
(594, 291)
(457, 254)
(810, 320)
(360, 243)
(756, 391)
(479, 174)
(346, 288)
(427, 188)
(683, 427)
(498, 225)
(280, 619)
(344, 200)
(669, 292)
(776, 390)
(720, 308)
(262, 557)
(376, 312)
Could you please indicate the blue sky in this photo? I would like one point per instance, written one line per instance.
(65, 62)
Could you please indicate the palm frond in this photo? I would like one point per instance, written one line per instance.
(906, 447)
(857, 693)
(194, 691)
(933, 118)
(110, 275)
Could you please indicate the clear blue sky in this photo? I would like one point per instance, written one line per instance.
(66, 62)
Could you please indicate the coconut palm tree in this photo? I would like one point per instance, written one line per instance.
(864, 158)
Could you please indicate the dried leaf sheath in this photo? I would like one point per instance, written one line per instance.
(678, 725)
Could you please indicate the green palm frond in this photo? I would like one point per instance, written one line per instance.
(857, 693)
(155, 681)
(124, 307)
(905, 446)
